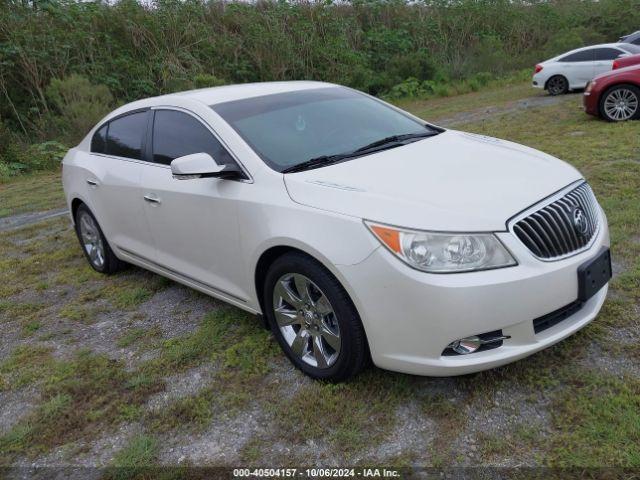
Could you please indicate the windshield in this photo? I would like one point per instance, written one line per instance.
(287, 129)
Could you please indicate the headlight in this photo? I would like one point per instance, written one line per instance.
(436, 252)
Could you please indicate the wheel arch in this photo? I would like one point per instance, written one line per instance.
(273, 252)
(75, 204)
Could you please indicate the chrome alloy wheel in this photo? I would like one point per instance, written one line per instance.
(621, 104)
(91, 240)
(306, 320)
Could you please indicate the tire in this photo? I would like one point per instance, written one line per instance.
(94, 244)
(557, 85)
(306, 324)
(620, 103)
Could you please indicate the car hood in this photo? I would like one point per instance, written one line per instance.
(452, 182)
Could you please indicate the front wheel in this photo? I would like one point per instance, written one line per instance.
(620, 103)
(313, 319)
(557, 85)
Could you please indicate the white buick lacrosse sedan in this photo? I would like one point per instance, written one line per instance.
(358, 231)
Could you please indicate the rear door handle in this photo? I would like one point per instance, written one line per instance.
(93, 183)
(152, 199)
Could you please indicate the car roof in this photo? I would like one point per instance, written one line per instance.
(228, 93)
(627, 37)
(600, 45)
(619, 45)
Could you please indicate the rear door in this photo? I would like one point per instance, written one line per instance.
(578, 67)
(194, 222)
(113, 181)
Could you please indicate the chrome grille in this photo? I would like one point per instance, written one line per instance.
(563, 227)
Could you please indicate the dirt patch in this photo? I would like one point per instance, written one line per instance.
(16, 221)
(220, 444)
(15, 405)
(413, 432)
(490, 112)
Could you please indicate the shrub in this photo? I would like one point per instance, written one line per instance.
(16, 157)
(45, 155)
(77, 106)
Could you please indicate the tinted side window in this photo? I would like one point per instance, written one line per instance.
(125, 135)
(583, 56)
(99, 140)
(607, 53)
(176, 134)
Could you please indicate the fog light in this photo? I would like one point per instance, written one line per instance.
(467, 345)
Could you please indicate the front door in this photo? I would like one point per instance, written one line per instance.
(194, 222)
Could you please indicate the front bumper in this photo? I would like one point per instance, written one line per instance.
(411, 316)
(590, 103)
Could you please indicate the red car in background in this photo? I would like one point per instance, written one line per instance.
(615, 95)
(623, 62)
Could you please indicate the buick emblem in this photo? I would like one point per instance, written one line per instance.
(580, 222)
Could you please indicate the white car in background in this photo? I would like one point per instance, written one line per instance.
(358, 230)
(572, 70)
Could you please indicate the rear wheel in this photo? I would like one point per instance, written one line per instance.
(313, 319)
(94, 244)
(557, 85)
(620, 103)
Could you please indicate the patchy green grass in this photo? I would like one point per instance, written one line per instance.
(228, 336)
(134, 460)
(139, 336)
(31, 193)
(599, 423)
(26, 365)
(80, 396)
(193, 412)
(348, 417)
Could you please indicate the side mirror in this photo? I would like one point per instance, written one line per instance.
(201, 165)
(622, 55)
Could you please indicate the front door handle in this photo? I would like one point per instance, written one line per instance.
(93, 183)
(152, 199)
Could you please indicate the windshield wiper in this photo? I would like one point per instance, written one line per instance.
(383, 144)
(317, 162)
(393, 139)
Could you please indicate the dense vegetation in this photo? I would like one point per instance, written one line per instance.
(63, 63)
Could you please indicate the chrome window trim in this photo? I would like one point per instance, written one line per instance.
(132, 160)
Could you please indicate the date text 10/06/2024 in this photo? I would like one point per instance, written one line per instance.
(316, 473)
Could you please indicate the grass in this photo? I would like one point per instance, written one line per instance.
(346, 417)
(440, 108)
(599, 423)
(593, 417)
(81, 396)
(134, 460)
(226, 336)
(28, 193)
